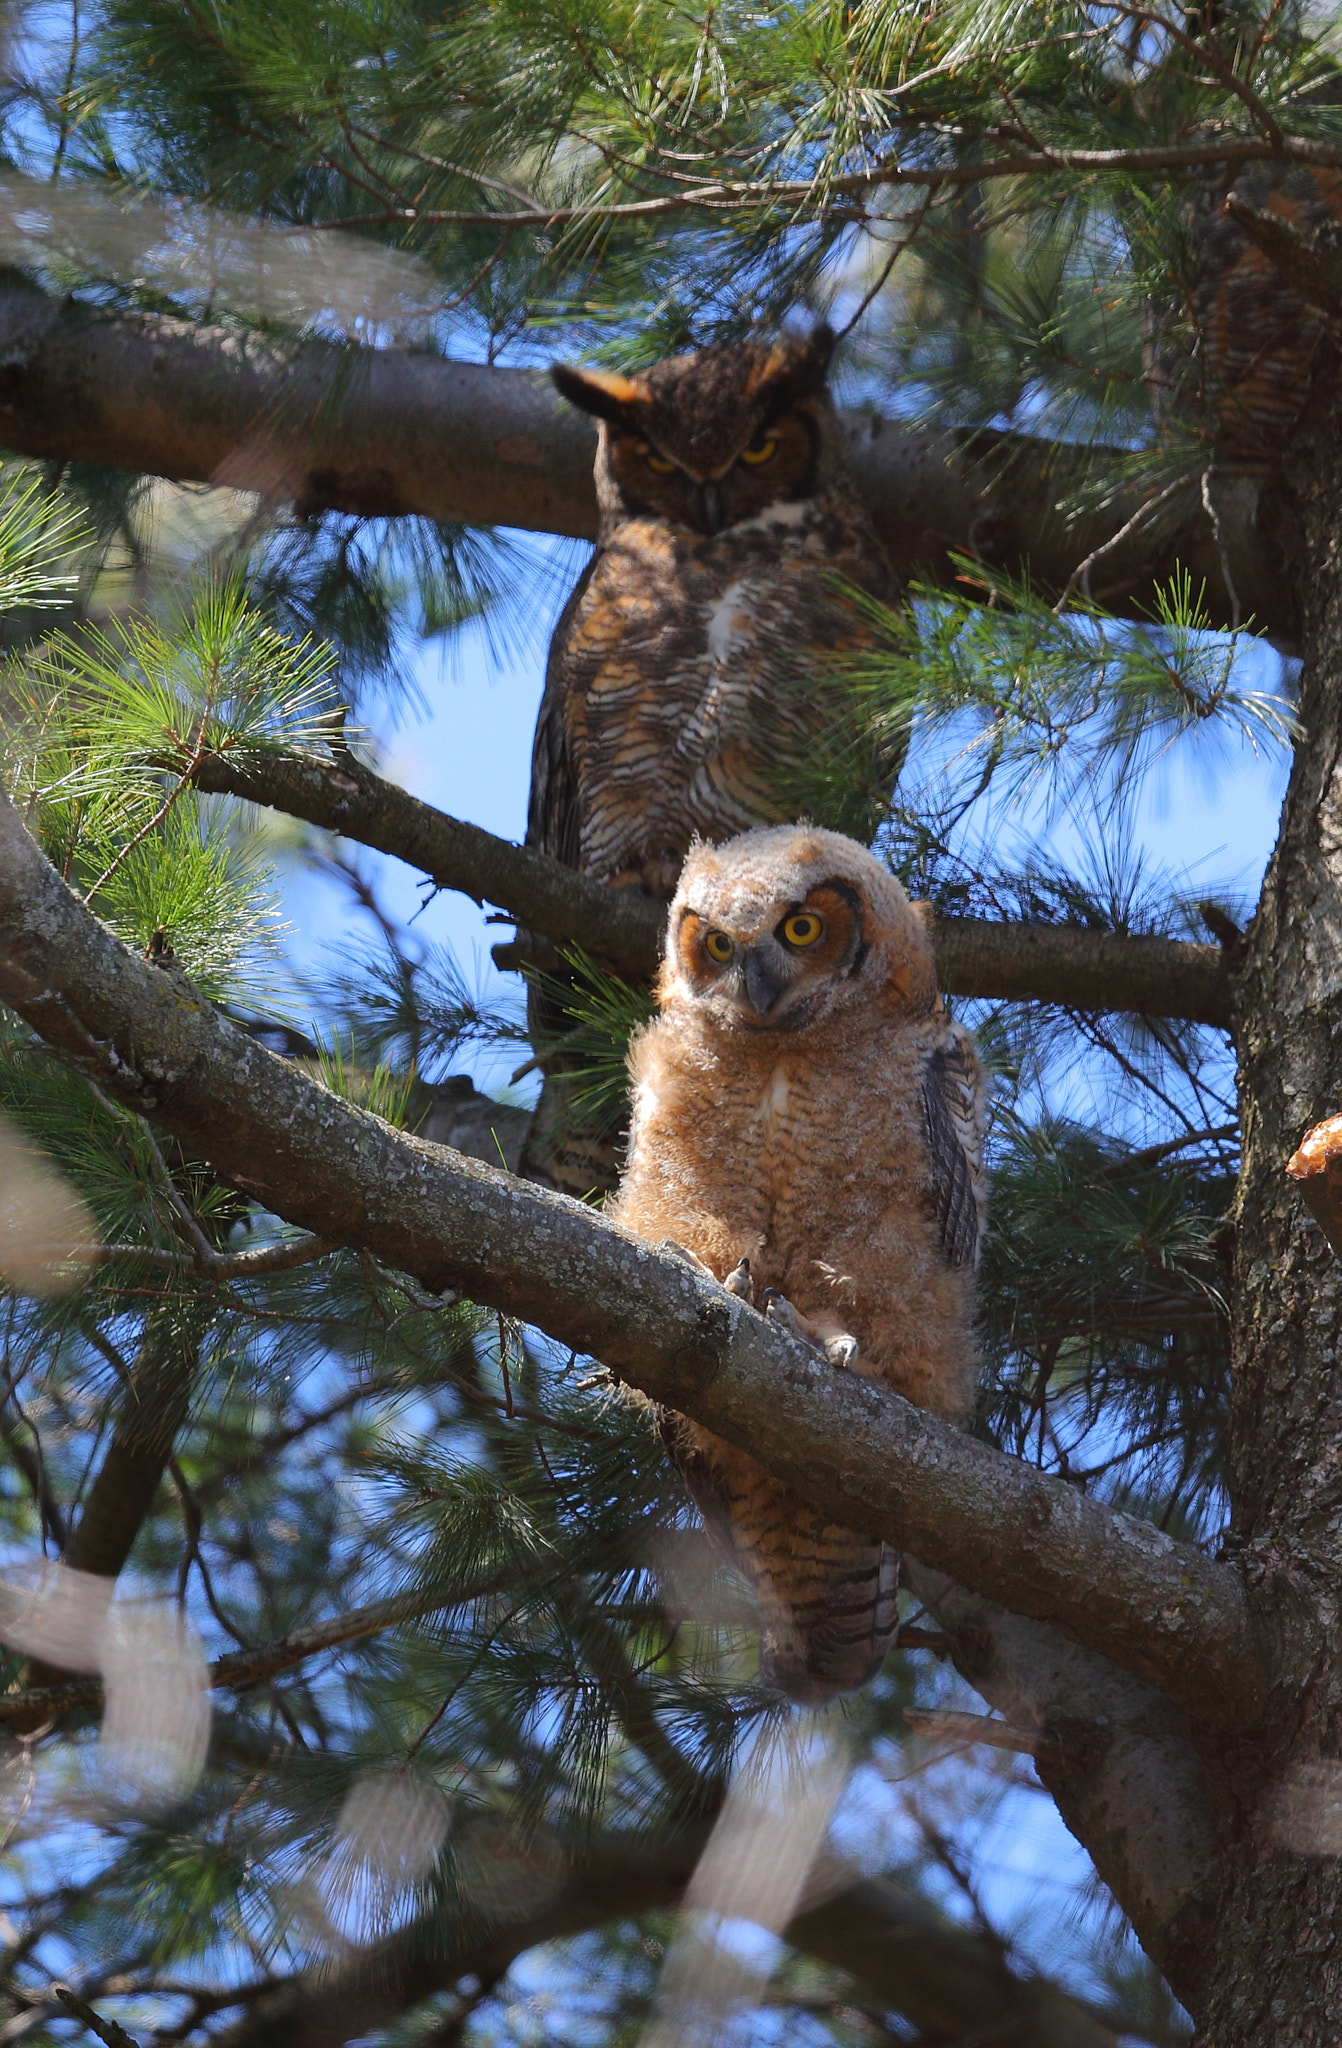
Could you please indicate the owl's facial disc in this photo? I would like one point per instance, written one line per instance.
(779, 974)
(664, 475)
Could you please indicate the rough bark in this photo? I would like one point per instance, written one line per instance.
(1156, 1606)
(1275, 1961)
(1065, 964)
(386, 432)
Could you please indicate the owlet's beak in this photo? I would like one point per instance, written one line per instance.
(764, 976)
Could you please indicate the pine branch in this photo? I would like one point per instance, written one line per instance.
(621, 926)
(242, 1669)
(1082, 969)
(864, 1455)
(948, 1981)
(790, 196)
(1064, 964)
(387, 432)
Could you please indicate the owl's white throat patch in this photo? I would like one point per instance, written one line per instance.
(787, 512)
(730, 623)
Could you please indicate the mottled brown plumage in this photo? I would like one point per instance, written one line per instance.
(690, 657)
(687, 659)
(804, 1104)
(1245, 381)
(1258, 337)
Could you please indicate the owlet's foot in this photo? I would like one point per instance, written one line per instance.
(840, 1347)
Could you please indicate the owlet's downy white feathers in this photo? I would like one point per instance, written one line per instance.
(808, 1126)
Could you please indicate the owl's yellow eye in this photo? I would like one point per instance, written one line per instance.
(803, 929)
(762, 449)
(657, 463)
(719, 947)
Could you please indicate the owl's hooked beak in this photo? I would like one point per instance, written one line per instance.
(710, 501)
(764, 977)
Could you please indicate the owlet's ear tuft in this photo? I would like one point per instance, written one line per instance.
(602, 392)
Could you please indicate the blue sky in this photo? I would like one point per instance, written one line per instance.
(1206, 813)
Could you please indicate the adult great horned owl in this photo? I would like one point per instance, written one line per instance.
(685, 661)
(808, 1125)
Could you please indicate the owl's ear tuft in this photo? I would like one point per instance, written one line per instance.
(818, 353)
(795, 367)
(602, 392)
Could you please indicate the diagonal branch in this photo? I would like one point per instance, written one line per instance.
(385, 432)
(620, 925)
(241, 1669)
(1156, 1606)
(1065, 964)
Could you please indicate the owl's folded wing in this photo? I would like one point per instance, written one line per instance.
(954, 1107)
(553, 815)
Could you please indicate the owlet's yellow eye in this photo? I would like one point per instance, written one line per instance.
(657, 463)
(719, 947)
(803, 929)
(762, 449)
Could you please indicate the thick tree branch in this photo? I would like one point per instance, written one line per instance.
(380, 432)
(1081, 969)
(619, 925)
(1065, 964)
(1156, 1606)
(948, 1981)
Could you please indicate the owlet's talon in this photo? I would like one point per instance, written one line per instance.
(841, 1351)
(740, 1283)
(682, 1251)
(779, 1309)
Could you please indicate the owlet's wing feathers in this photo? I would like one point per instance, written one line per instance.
(552, 812)
(953, 1117)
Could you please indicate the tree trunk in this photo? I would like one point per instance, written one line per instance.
(1276, 1964)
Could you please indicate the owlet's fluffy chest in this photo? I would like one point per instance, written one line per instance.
(815, 1171)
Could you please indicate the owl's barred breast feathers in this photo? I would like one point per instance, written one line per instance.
(803, 1103)
(693, 653)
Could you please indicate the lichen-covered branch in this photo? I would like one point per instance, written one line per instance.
(1065, 964)
(1157, 1606)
